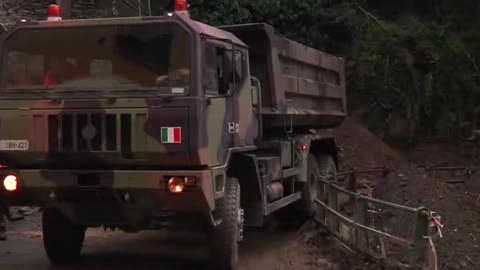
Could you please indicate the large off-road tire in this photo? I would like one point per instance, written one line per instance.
(306, 205)
(327, 167)
(312, 189)
(225, 237)
(62, 239)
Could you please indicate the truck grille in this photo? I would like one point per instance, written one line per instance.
(89, 132)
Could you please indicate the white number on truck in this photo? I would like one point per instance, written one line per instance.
(13, 145)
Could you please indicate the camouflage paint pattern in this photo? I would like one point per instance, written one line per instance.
(301, 84)
(141, 166)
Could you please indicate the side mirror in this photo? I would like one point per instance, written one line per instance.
(256, 89)
(254, 95)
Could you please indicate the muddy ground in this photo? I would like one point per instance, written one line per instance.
(277, 247)
(454, 196)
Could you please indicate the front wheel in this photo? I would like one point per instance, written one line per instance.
(62, 239)
(225, 237)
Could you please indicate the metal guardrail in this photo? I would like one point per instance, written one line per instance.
(362, 223)
(467, 170)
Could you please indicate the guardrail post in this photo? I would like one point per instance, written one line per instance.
(361, 211)
(321, 212)
(352, 181)
(333, 204)
(420, 242)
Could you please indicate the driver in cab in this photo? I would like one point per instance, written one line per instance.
(59, 70)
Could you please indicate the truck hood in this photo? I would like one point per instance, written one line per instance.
(95, 137)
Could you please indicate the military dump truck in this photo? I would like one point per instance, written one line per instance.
(145, 123)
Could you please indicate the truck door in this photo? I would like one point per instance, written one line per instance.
(220, 119)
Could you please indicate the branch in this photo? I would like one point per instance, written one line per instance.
(127, 2)
(472, 61)
(370, 15)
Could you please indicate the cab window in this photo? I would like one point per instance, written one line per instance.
(222, 70)
(155, 57)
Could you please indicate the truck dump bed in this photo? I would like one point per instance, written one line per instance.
(302, 88)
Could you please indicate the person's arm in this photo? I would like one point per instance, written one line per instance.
(48, 81)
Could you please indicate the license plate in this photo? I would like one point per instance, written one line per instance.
(13, 145)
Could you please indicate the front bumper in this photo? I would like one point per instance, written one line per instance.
(130, 199)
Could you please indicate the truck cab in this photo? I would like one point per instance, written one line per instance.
(157, 122)
(123, 93)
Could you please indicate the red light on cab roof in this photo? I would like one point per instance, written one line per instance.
(54, 13)
(181, 5)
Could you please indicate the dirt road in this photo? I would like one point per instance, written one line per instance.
(146, 250)
(276, 247)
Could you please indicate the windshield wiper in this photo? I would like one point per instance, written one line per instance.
(137, 91)
(28, 92)
(52, 94)
(95, 93)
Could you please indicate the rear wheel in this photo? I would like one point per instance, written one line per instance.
(62, 239)
(327, 167)
(312, 189)
(306, 205)
(225, 237)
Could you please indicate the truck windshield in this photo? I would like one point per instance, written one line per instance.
(111, 58)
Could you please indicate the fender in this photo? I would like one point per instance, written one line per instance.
(316, 145)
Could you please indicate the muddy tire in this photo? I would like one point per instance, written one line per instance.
(305, 207)
(62, 239)
(321, 165)
(225, 237)
(327, 166)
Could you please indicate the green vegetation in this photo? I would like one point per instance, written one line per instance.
(413, 66)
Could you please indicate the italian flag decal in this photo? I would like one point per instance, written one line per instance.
(171, 135)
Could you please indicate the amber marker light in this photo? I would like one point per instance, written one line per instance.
(176, 184)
